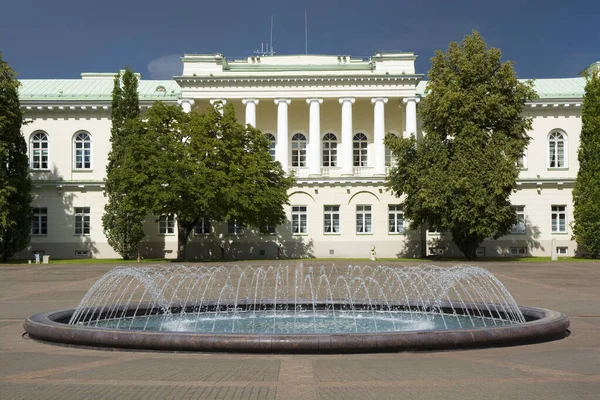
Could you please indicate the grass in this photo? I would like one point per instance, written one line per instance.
(431, 260)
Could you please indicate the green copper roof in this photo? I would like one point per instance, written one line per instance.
(93, 89)
(563, 88)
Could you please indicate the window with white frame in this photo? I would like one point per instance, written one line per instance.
(298, 150)
(359, 146)
(39, 221)
(269, 230)
(166, 225)
(519, 227)
(82, 151)
(363, 219)
(331, 219)
(522, 160)
(233, 228)
(39, 150)
(395, 219)
(82, 220)
(557, 149)
(272, 145)
(518, 251)
(559, 219)
(299, 220)
(562, 251)
(390, 159)
(203, 227)
(329, 150)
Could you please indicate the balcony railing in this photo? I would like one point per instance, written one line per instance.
(363, 171)
(299, 172)
(331, 171)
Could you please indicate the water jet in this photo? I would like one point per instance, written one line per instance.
(297, 309)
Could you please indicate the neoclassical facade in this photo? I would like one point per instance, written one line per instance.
(326, 118)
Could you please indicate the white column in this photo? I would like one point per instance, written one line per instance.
(218, 104)
(347, 135)
(250, 111)
(186, 104)
(411, 115)
(314, 136)
(282, 132)
(379, 133)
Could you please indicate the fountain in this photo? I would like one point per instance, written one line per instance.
(297, 309)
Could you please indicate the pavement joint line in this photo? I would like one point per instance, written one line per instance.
(555, 288)
(52, 289)
(69, 368)
(523, 367)
(349, 383)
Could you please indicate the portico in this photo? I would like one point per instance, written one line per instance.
(301, 100)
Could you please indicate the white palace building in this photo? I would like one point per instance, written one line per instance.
(326, 117)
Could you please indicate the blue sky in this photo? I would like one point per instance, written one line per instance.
(62, 38)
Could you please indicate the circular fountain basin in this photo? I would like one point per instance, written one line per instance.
(316, 328)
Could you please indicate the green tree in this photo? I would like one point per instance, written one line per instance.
(15, 183)
(586, 192)
(460, 176)
(193, 166)
(123, 219)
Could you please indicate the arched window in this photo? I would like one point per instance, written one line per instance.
(39, 150)
(557, 149)
(82, 151)
(298, 150)
(272, 144)
(359, 145)
(390, 159)
(329, 150)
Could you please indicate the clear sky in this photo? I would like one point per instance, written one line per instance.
(62, 38)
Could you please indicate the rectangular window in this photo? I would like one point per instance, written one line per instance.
(522, 160)
(562, 251)
(166, 225)
(39, 221)
(395, 219)
(82, 220)
(234, 229)
(299, 220)
(559, 219)
(83, 155)
(518, 251)
(269, 230)
(331, 219)
(363, 219)
(203, 227)
(433, 230)
(480, 252)
(519, 227)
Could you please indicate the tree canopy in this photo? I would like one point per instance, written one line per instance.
(194, 166)
(586, 192)
(123, 220)
(15, 183)
(460, 175)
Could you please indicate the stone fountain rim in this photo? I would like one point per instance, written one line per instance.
(543, 325)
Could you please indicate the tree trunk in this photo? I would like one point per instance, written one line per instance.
(182, 236)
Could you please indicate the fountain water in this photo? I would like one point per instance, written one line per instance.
(297, 308)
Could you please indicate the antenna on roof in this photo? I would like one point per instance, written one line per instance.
(271, 42)
(266, 49)
(306, 30)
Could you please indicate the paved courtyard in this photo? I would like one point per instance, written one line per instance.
(565, 369)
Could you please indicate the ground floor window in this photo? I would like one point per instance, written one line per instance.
(395, 219)
(39, 222)
(562, 251)
(299, 220)
(166, 225)
(519, 227)
(82, 220)
(331, 220)
(559, 219)
(203, 227)
(363, 219)
(233, 228)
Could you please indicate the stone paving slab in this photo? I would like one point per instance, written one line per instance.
(565, 369)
